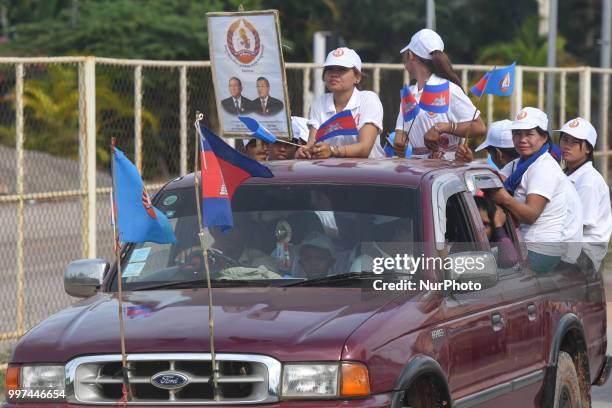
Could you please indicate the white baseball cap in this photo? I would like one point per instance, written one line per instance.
(530, 118)
(318, 240)
(299, 126)
(498, 135)
(580, 129)
(343, 57)
(424, 42)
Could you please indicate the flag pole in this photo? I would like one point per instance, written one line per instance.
(288, 142)
(467, 135)
(409, 129)
(115, 214)
(211, 326)
(404, 125)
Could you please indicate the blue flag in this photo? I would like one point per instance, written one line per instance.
(501, 81)
(259, 131)
(138, 220)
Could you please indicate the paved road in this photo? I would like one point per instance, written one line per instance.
(52, 241)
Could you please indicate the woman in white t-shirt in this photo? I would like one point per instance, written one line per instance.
(435, 134)
(535, 191)
(342, 75)
(578, 138)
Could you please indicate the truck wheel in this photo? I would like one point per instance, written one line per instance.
(424, 393)
(567, 389)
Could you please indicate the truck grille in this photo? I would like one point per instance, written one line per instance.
(242, 379)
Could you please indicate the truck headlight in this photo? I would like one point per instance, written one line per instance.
(325, 380)
(43, 376)
(35, 382)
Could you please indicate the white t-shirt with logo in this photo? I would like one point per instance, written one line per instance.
(545, 178)
(460, 109)
(597, 214)
(365, 106)
(573, 223)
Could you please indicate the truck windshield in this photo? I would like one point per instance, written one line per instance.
(282, 235)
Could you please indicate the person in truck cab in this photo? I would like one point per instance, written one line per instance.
(316, 258)
(494, 219)
(235, 244)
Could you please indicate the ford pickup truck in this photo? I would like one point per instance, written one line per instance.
(303, 319)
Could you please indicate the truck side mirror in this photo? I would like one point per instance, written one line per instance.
(83, 278)
(476, 266)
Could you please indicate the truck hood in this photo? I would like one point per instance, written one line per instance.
(290, 324)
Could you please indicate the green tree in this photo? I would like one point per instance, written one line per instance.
(155, 29)
(51, 101)
(526, 48)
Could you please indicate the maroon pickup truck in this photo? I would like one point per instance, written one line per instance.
(311, 308)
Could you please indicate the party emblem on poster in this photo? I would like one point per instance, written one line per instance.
(243, 41)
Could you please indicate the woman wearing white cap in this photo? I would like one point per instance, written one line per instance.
(342, 75)
(578, 138)
(425, 60)
(535, 191)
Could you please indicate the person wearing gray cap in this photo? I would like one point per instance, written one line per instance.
(577, 141)
(435, 134)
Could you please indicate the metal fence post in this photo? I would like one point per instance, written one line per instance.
(562, 97)
(138, 118)
(19, 139)
(90, 137)
(377, 81)
(183, 119)
(604, 106)
(541, 91)
(585, 93)
(307, 95)
(517, 96)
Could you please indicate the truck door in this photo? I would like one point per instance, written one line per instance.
(474, 323)
(522, 308)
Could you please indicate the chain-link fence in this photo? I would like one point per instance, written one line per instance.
(57, 116)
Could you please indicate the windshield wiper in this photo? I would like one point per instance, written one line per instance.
(198, 283)
(345, 277)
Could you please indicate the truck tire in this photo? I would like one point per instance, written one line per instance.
(424, 393)
(567, 389)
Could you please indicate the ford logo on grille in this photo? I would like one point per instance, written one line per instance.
(169, 380)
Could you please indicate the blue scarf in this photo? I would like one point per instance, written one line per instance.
(512, 182)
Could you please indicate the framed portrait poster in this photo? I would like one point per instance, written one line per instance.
(249, 71)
